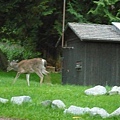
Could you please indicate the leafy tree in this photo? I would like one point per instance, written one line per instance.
(36, 25)
(76, 10)
(23, 21)
(105, 11)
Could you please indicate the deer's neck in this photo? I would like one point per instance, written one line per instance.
(15, 67)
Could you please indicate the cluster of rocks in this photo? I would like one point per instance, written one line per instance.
(91, 111)
(97, 90)
(17, 100)
(54, 104)
(101, 90)
(76, 110)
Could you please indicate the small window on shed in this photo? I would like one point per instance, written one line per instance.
(78, 65)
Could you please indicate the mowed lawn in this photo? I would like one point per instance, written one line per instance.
(69, 94)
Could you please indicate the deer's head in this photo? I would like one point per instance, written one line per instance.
(12, 65)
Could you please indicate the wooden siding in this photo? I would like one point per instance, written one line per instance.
(102, 65)
(100, 62)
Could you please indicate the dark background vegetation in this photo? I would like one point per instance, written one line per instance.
(31, 28)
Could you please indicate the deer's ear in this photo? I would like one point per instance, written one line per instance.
(10, 63)
(15, 61)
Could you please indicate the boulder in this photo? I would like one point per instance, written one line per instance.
(81, 111)
(114, 90)
(99, 111)
(97, 90)
(77, 110)
(20, 99)
(3, 100)
(115, 113)
(58, 104)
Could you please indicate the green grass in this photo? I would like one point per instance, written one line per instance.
(69, 94)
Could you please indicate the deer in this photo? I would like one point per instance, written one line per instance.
(35, 65)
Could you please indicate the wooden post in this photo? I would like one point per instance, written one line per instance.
(63, 26)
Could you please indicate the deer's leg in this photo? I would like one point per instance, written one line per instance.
(41, 80)
(40, 75)
(16, 77)
(45, 72)
(27, 78)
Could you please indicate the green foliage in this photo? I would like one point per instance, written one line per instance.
(30, 23)
(75, 11)
(37, 24)
(14, 51)
(58, 27)
(106, 11)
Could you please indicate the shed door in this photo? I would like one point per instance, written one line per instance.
(67, 74)
(78, 63)
(72, 70)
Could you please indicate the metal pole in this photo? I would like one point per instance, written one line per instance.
(63, 26)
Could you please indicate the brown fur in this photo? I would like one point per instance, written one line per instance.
(35, 65)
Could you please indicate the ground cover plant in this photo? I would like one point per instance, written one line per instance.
(69, 94)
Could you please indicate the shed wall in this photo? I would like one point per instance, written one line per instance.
(100, 63)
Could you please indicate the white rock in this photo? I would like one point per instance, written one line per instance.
(20, 99)
(114, 90)
(93, 111)
(2, 100)
(77, 110)
(115, 113)
(58, 104)
(99, 111)
(97, 90)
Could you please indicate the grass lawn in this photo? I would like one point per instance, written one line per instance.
(69, 94)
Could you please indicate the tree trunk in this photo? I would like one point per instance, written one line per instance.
(3, 61)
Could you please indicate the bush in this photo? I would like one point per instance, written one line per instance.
(15, 51)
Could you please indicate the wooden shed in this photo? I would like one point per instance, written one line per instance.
(91, 54)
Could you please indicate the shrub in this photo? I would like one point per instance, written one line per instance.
(15, 51)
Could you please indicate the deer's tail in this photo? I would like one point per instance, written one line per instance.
(44, 62)
(44, 71)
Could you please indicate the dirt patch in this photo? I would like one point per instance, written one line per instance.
(8, 119)
(5, 119)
